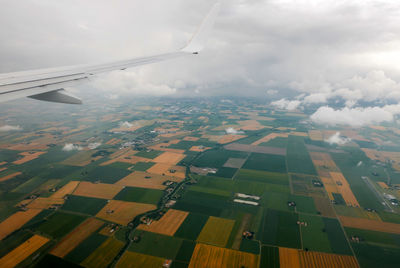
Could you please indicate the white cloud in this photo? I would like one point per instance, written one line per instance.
(125, 124)
(272, 92)
(316, 98)
(7, 128)
(286, 104)
(94, 145)
(337, 139)
(233, 131)
(71, 147)
(355, 117)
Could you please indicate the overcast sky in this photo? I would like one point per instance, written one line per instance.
(319, 49)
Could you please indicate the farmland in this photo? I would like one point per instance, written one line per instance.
(168, 224)
(216, 231)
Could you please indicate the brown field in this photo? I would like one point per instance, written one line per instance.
(168, 224)
(378, 128)
(344, 189)
(10, 176)
(16, 221)
(113, 141)
(81, 159)
(250, 125)
(66, 189)
(289, 258)
(103, 255)
(23, 251)
(207, 256)
(28, 156)
(188, 138)
(315, 135)
(173, 134)
(255, 149)
(45, 203)
(323, 162)
(169, 158)
(330, 186)
(297, 133)
(97, 190)
(138, 179)
(163, 147)
(137, 260)
(28, 146)
(2, 169)
(199, 148)
(323, 205)
(230, 138)
(270, 137)
(383, 185)
(325, 260)
(73, 239)
(3, 163)
(216, 231)
(382, 156)
(123, 212)
(373, 225)
(165, 169)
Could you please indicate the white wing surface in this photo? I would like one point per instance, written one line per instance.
(49, 84)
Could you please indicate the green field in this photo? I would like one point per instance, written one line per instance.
(339, 244)
(266, 162)
(156, 245)
(371, 256)
(217, 158)
(13, 241)
(105, 174)
(302, 185)
(185, 251)
(298, 158)
(278, 142)
(375, 238)
(84, 249)
(191, 226)
(52, 261)
(262, 176)
(225, 172)
(60, 224)
(269, 257)
(104, 254)
(216, 231)
(140, 195)
(314, 235)
(143, 166)
(151, 154)
(250, 246)
(86, 205)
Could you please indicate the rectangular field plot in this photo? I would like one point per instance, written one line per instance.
(298, 159)
(84, 249)
(146, 180)
(255, 149)
(262, 176)
(156, 245)
(137, 260)
(372, 256)
(325, 260)
(104, 254)
(216, 231)
(169, 158)
(106, 174)
(86, 205)
(16, 221)
(73, 239)
(280, 228)
(266, 162)
(289, 258)
(324, 206)
(66, 189)
(168, 224)
(234, 162)
(208, 256)
(372, 225)
(60, 224)
(23, 251)
(269, 257)
(314, 235)
(186, 251)
(140, 195)
(122, 212)
(191, 226)
(303, 185)
(168, 170)
(97, 190)
(372, 237)
(339, 243)
(217, 158)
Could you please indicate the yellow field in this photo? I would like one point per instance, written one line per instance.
(297, 133)
(199, 148)
(45, 203)
(138, 179)
(164, 147)
(289, 258)
(344, 189)
(165, 169)
(73, 239)
(27, 156)
(270, 137)
(207, 256)
(104, 254)
(216, 231)
(137, 260)
(373, 225)
(323, 160)
(230, 138)
(169, 158)
(23, 251)
(168, 224)
(123, 212)
(125, 156)
(16, 221)
(66, 189)
(97, 190)
(5, 178)
(315, 135)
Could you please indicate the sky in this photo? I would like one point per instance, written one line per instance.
(297, 53)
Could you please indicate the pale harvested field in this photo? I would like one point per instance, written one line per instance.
(255, 149)
(173, 134)
(315, 135)
(97, 190)
(216, 231)
(165, 169)
(168, 224)
(125, 156)
(3, 163)
(289, 258)
(344, 189)
(207, 256)
(45, 203)
(250, 125)
(269, 137)
(73, 239)
(28, 146)
(81, 159)
(330, 187)
(66, 189)
(235, 162)
(383, 185)
(23, 251)
(27, 156)
(10, 176)
(123, 212)
(169, 158)
(323, 205)
(138, 179)
(188, 138)
(163, 147)
(199, 148)
(230, 138)
(16, 221)
(325, 260)
(372, 225)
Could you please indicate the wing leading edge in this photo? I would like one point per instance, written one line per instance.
(49, 84)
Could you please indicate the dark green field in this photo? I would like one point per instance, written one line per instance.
(339, 244)
(143, 166)
(192, 226)
(151, 154)
(86, 205)
(262, 176)
(298, 158)
(185, 251)
(60, 223)
(217, 158)
(314, 235)
(250, 246)
(83, 250)
(266, 162)
(105, 174)
(269, 257)
(140, 195)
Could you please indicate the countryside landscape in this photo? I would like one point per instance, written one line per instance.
(207, 182)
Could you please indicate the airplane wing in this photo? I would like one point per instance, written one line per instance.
(49, 84)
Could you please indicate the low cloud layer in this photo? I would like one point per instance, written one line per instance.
(71, 147)
(7, 128)
(337, 139)
(125, 124)
(233, 131)
(286, 104)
